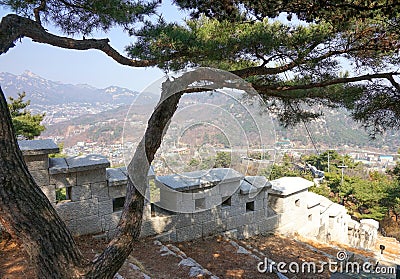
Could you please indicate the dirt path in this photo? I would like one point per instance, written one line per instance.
(211, 258)
(13, 261)
(222, 258)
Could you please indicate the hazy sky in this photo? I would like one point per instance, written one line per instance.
(82, 67)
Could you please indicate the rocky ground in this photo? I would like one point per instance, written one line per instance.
(214, 257)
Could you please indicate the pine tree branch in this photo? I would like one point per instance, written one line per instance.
(262, 70)
(38, 9)
(14, 27)
(273, 90)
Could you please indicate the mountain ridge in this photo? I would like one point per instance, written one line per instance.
(63, 102)
(42, 91)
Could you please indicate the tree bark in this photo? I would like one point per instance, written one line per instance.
(27, 214)
(14, 27)
(128, 229)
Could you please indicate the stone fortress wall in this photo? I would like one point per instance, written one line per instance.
(89, 197)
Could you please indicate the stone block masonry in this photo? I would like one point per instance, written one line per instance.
(76, 186)
(89, 197)
(230, 202)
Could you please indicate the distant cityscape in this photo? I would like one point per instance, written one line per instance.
(83, 120)
(63, 112)
(120, 153)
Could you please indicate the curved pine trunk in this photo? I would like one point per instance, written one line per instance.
(128, 229)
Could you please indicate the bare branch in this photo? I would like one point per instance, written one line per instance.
(37, 11)
(72, 5)
(14, 27)
(261, 70)
(394, 83)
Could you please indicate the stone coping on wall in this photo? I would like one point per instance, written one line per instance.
(336, 209)
(57, 165)
(37, 147)
(77, 163)
(370, 222)
(116, 176)
(254, 184)
(286, 186)
(325, 204)
(191, 181)
(353, 225)
(313, 200)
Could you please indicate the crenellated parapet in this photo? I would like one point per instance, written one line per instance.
(89, 196)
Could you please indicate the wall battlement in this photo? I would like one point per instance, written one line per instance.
(89, 197)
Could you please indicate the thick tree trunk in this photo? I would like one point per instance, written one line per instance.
(27, 214)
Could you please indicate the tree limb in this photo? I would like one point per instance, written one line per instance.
(394, 83)
(38, 9)
(72, 5)
(261, 70)
(14, 27)
(268, 89)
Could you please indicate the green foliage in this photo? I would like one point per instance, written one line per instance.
(221, 44)
(61, 194)
(365, 196)
(60, 154)
(335, 160)
(369, 196)
(285, 168)
(396, 170)
(223, 159)
(194, 162)
(291, 64)
(322, 190)
(207, 163)
(25, 123)
(392, 199)
(336, 11)
(85, 16)
(278, 171)
(258, 155)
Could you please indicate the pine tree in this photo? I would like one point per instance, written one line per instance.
(290, 66)
(26, 124)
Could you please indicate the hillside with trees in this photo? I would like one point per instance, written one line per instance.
(365, 194)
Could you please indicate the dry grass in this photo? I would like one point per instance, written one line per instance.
(391, 227)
